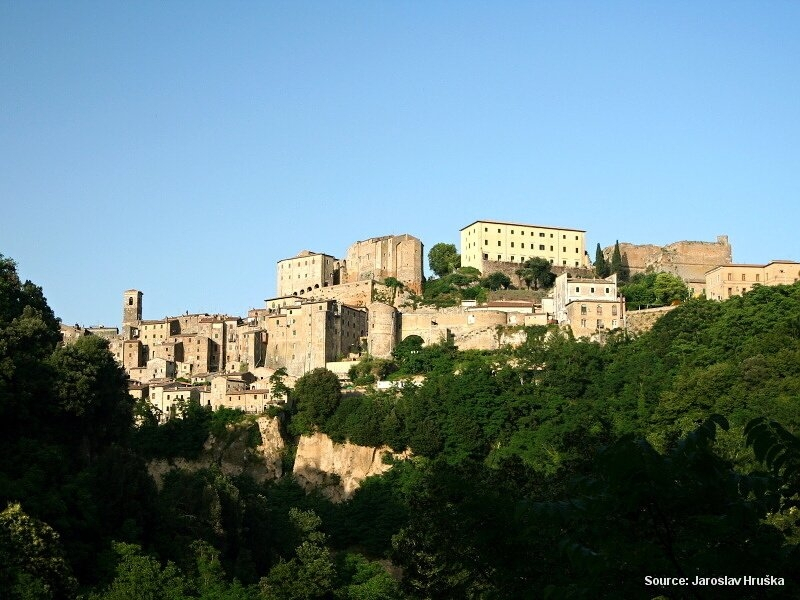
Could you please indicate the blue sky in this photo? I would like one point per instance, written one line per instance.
(183, 148)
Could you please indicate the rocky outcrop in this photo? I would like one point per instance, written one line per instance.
(337, 470)
(234, 455)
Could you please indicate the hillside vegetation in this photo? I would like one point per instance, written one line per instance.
(558, 469)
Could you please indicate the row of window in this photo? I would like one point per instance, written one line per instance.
(744, 277)
(600, 324)
(513, 258)
(585, 310)
(522, 232)
(541, 246)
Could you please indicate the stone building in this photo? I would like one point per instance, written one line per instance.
(398, 256)
(588, 306)
(306, 272)
(169, 397)
(233, 392)
(384, 330)
(318, 276)
(688, 260)
(499, 241)
(309, 334)
(730, 280)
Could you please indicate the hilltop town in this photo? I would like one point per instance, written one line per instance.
(331, 311)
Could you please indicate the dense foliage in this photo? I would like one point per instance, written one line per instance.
(646, 290)
(561, 468)
(443, 259)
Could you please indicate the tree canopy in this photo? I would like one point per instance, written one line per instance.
(536, 271)
(443, 259)
(654, 289)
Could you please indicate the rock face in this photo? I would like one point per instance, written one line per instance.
(337, 470)
(235, 456)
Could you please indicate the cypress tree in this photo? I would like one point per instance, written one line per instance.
(616, 262)
(600, 264)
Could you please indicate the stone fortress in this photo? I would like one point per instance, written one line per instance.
(688, 260)
(329, 311)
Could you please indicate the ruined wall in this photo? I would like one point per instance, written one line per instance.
(337, 470)
(688, 260)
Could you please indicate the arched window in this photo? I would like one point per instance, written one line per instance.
(599, 310)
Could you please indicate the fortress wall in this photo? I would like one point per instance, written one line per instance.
(432, 326)
(688, 260)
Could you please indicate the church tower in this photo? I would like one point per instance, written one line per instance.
(131, 307)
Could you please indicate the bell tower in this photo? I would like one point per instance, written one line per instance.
(131, 307)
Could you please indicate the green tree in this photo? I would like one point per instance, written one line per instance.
(654, 289)
(277, 387)
(496, 280)
(616, 264)
(310, 574)
(600, 265)
(536, 271)
(32, 563)
(141, 577)
(316, 396)
(669, 288)
(92, 394)
(443, 259)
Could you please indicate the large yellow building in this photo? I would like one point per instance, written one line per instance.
(734, 280)
(498, 241)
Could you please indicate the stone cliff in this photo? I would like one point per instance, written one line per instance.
(337, 470)
(233, 456)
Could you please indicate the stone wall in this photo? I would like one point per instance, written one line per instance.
(509, 268)
(358, 293)
(432, 326)
(639, 321)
